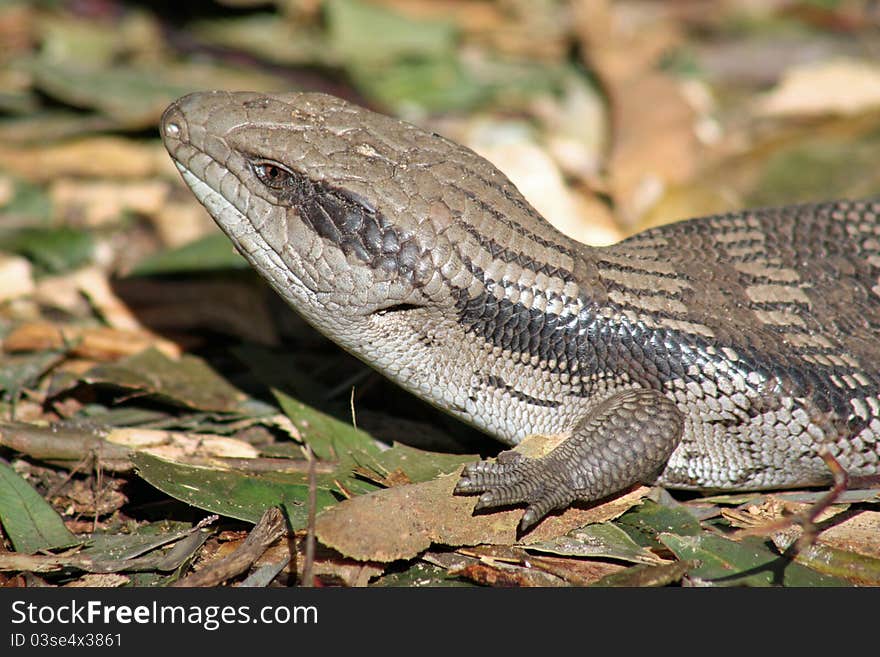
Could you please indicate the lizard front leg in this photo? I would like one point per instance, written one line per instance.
(623, 440)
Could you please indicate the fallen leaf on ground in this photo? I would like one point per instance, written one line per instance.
(16, 277)
(654, 143)
(188, 381)
(104, 580)
(842, 86)
(93, 283)
(91, 157)
(858, 533)
(173, 445)
(398, 523)
(328, 565)
(182, 222)
(96, 203)
(540, 180)
(94, 342)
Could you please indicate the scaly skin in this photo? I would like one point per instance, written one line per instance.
(718, 353)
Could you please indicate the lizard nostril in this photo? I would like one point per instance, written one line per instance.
(174, 125)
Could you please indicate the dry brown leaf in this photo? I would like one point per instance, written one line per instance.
(93, 283)
(61, 292)
(80, 497)
(401, 522)
(16, 277)
(7, 190)
(579, 572)
(505, 27)
(92, 343)
(848, 530)
(18, 32)
(93, 157)
(855, 534)
(95, 203)
(654, 142)
(178, 445)
(539, 179)
(502, 574)
(395, 478)
(103, 580)
(182, 222)
(328, 565)
(841, 86)
(67, 292)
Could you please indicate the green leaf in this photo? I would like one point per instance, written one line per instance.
(189, 382)
(420, 575)
(818, 168)
(421, 465)
(270, 36)
(211, 253)
(19, 371)
(440, 84)
(28, 520)
(750, 562)
(120, 546)
(329, 438)
(360, 32)
(240, 495)
(135, 97)
(853, 566)
(29, 201)
(647, 521)
(598, 540)
(645, 575)
(144, 550)
(53, 249)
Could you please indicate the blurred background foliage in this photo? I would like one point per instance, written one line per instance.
(610, 116)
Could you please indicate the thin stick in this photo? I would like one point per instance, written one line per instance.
(309, 563)
(270, 527)
(807, 518)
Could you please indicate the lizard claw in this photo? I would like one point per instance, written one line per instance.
(513, 479)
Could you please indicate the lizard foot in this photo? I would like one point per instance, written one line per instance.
(515, 478)
(622, 440)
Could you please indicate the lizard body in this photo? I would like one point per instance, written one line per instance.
(724, 352)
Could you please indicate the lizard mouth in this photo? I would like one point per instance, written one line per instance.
(396, 308)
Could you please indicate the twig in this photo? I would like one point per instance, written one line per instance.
(56, 443)
(807, 518)
(270, 527)
(309, 563)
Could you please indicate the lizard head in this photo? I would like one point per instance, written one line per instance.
(338, 207)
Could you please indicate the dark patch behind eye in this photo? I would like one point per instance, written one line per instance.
(354, 225)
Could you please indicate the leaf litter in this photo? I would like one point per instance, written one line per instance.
(139, 355)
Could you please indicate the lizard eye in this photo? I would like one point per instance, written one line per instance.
(271, 174)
